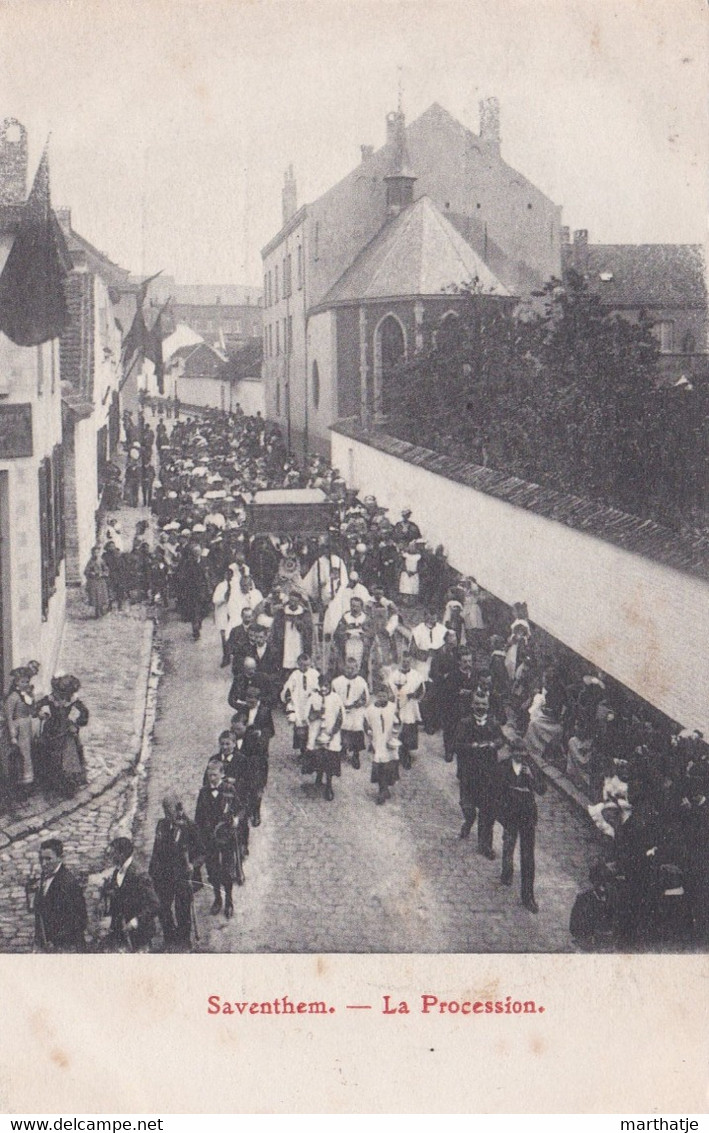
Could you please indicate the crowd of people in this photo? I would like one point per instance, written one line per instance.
(365, 637)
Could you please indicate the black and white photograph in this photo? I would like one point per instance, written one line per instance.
(354, 549)
(353, 481)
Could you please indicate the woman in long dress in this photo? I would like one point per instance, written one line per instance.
(545, 729)
(21, 728)
(409, 580)
(63, 715)
(96, 574)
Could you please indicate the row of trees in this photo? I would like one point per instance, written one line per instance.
(563, 394)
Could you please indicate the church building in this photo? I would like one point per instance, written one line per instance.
(363, 277)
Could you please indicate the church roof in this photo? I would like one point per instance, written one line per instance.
(419, 252)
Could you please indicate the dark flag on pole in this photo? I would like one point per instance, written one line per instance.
(137, 342)
(32, 302)
(153, 351)
(134, 341)
(143, 289)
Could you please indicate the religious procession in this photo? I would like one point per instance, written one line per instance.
(353, 650)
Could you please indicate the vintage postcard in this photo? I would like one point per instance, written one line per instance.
(354, 547)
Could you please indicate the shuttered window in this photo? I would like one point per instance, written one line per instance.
(59, 540)
(45, 533)
(52, 535)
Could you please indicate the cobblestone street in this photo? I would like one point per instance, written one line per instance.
(111, 657)
(85, 834)
(348, 876)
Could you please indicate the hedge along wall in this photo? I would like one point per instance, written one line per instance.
(645, 623)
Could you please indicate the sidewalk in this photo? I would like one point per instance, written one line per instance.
(111, 657)
(563, 783)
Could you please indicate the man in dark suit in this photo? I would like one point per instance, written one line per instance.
(59, 907)
(244, 676)
(517, 784)
(257, 715)
(193, 590)
(442, 695)
(217, 820)
(132, 902)
(268, 663)
(457, 690)
(253, 771)
(175, 852)
(238, 643)
(477, 740)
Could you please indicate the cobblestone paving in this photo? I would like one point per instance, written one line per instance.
(349, 876)
(85, 834)
(106, 655)
(109, 658)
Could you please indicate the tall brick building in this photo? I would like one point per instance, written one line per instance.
(222, 314)
(90, 356)
(510, 227)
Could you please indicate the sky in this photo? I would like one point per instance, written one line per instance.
(172, 121)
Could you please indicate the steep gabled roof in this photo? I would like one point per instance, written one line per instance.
(417, 253)
(435, 120)
(636, 275)
(200, 361)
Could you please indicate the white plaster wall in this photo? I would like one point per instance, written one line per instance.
(250, 396)
(203, 391)
(107, 351)
(644, 623)
(86, 487)
(322, 347)
(30, 635)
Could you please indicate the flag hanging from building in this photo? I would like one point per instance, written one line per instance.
(143, 289)
(134, 341)
(137, 343)
(32, 302)
(153, 350)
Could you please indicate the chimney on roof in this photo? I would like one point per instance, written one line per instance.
(581, 250)
(366, 152)
(13, 162)
(289, 195)
(490, 123)
(400, 178)
(63, 215)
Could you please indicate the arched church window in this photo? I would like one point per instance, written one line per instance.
(390, 351)
(448, 334)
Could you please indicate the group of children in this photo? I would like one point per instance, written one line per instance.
(336, 718)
